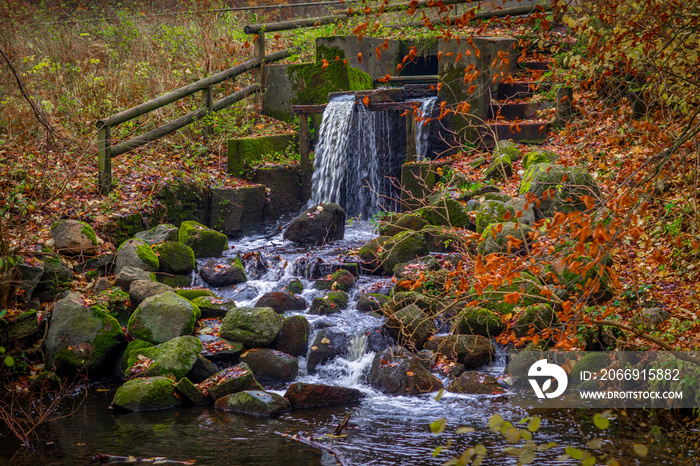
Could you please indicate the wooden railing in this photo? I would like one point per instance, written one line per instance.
(106, 150)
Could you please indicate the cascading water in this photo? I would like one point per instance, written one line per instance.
(423, 126)
(358, 153)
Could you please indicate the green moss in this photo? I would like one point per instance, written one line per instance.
(538, 156)
(204, 241)
(479, 321)
(312, 83)
(147, 255)
(493, 212)
(244, 152)
(329, 53)
(509, 148)
(295, 287)
(87, 231)
(192, 293)
(591, 362)
(174, 257)
(339, 298)
(146, 394)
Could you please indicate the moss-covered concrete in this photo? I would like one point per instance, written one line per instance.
(242, 153)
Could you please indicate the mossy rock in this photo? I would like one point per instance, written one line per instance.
(471, 350)
(163, 317)
(371, 302)
(558, 188)
(173, 358)
(594, 285)
(403, 247)
(503, 197)
(136, 253)
(524, 211)
(134, 345)
(370, 252)
(294, 287)
(255, 327)
(293, 337)
(447, 212)
(493, 298)
(507, 147)
(493, 212)
(158, 234)
(341, 280)
(535, 317)
(191, 294)
(493, 242)
(204, 241)
(330, 303)
(74, 238)
(231, 380)
(213, 306)
(539, 156)
(190, 392)
(397, 224)
(590, 362)
(146, 394)
(174, 257)
(255, 403)
(406, 298)
(501, 167)
(174, 280)
(116, 302)
(442, 239)
(479, 321)
(475, 383)
(411, 326)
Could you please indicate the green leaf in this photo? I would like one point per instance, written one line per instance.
(437, 450)
(595, 444)
(464, 430)
(574, 453)
(526, 435)
(439, 394)
(527, 456)
(590, 461)
(9, 361)
(601, 422)
(480, 449)
(534, 424)
(547, 446)
(3, 312)
(495, 422)
(438, 426)
(512, 435)
(640, 450)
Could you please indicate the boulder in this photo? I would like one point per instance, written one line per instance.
(271, 366)
(219, 350)
(55, 279)
(163, 232)
(471, 350)
(115, 302)
(493, 212)
(193, 293)
(320, 224)
(539, 156)
(82, 337)
(411, 326)
(136, 253)
(30, 276)
(190, 392)
(524, 211)
(559, 189)
(174, 257)
(294, 286)
(146, 394)
(378, 339)
(204, 241)
(212, 306)
(102, 265)
(162, 318)
(139, 290)
(128, 275)
(202, 369)
(507, 147)
(441, 239)
(293, 337)
(255, 403)
(328, 344)
(231, 380)
(447, 212)
(405, 298)
(308, 395)
(371, 302)
(479, 321)
(535, 316)
(398, 372)
(73, 238)
(223, 273)
(255, 327)
(501, 167)
(281, 302)
(173, 358)
(476, 383)
(339, 280)
(370, 252)
(403, 247)
(330, 303)
(403, 223)
(174, 280)
(504, 238)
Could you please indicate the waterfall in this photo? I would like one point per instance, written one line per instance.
(423, 127)
(357, 154)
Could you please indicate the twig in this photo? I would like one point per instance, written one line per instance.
(342, 425)
(309, 441)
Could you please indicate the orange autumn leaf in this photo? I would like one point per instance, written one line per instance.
(471, 89)
(325, 64)
(512, 298)
(359, 57)
(365, 101)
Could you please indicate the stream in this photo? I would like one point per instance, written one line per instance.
(383, 430)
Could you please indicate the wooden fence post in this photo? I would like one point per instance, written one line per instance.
(208, 101)
(104, 159)
(259, 52)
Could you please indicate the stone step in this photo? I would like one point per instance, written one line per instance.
(518, 110)
(527, 133)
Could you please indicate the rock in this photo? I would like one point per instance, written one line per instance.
(510, 238)
(403, 223)
(102, 265)
(255, 327)
(479, 321)
(135, 253)
(190, 392)
(493, 212)
(116, 303)
(201, 370)
(507, 147)
(73, 238)
(501, 167)
(244, 292)
(146, 394)
(319, 225)
(173, 358)
(204, 242)
(569, 187)
(293, 337)
(56, 278)
(162, 318)
(502, 197)
(123, 363)
(397, 372)
(174, 257)
(594, 286)
(231, 380)
(371, 302)
(441, 239)
(219, 350)
(160, 233)
(475, 383)
(212, 306)
(294, 286)
(537, 316)
(524, 211)
(331, 302)
(127, 275)
(174, 280)
(378, 339)
(339, 280)
(406, 298)
(471, 350)
(650, 317)
(591, 362)
(410, 326)
(82, 337)
(281, 302)
(447, 212)
(255, 402)
(403, 247)
(413, 269)
(30, 276)
(223, 273)
(102, 284)
(539, 156)
(271, 366)
(370, 252)
(139, 290)
(307, 395)
(328, 344)
(20, 328)
(193, 293)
